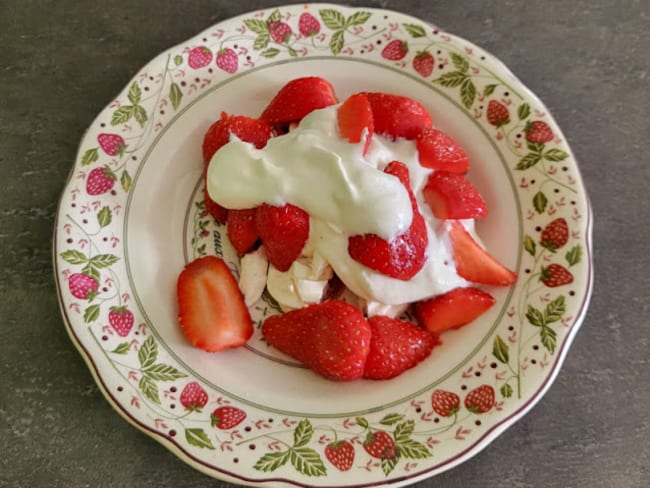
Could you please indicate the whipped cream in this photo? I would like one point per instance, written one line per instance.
(345, 193)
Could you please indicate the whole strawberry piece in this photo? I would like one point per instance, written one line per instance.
(397, 116)
(100, 180)
(438, 150)
(121, 319)
(331, 338)
(395, 50)
(242, 229)
(227, 60)
(227, 417)
(423, 63)
(395, 346)
(480, 400)
(380, 445)
(284, 231)
(555, 275)
(193, 397)
(445, 403)
(497, 113)
(111, 144)
(279, 31)
(308, 25)
(538, 132)
(83, 286)
(199, 57)
(340, 454)
(219, 213)
(555, 234)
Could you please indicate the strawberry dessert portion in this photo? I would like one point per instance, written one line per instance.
(350, 214)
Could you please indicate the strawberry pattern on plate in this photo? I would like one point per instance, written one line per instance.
(123, 232)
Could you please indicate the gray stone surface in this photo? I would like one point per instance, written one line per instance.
(62, 61)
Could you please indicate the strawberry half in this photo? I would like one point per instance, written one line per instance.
(355, 120)
(331, 338)
(284, 231)
(298, 98)
(452, 196)
(474, 263)
(404, 255)
(453, 309)
(219, 213)
(242, 229)
(437, 150)
(395, 346)
(212, 312)
(397, 116)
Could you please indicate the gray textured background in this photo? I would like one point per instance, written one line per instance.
(62, 61)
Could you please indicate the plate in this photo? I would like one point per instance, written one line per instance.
(131, 216)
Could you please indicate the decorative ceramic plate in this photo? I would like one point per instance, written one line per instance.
(132, 215)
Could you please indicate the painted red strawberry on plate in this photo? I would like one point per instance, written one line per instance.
(331, 338)
(308, 25)
(480, 400)
(83, 286)
(497, 113)
(397, 116)
(284, 231)
(199, 57)
(555, 275)
(111, 144)
(423, 63)
(212, 312)
(438, 150)
(379, 444)
(395, 50)
(452, 196)
(396, 346)
(445, 403)
(227, 417)
(538, 131)
(453, 309)
(555, 234)
(340, 454)
(227, 60)
(193, 397)
(121, 319)
(279, 31)
(100, 181)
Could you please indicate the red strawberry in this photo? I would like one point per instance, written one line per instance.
(445, 403)
(452, 196)
(308, 25)
(538, 131)
(395, 346)
(212, 312)
(453, 309)
(121, 319)
(331, 338)
(227, 417)
(497, 113)
(355, 120)
(219, 213)
(340, 454)
(227, 60)
(279, 31)
(83, 286)
(473, 262)
(395, 50)
(397, 116)
(555, 275)
(423, 63)
(380, 445)
(254, 131)
(555, 234)
(480, 400)
(298, 98)
(199, 57)
(404, 255)
(437, 150)
(284, 232)
(111, 144)
(100, 180)
(242, 230)
(193, 397)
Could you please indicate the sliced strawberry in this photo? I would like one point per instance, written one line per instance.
(284, 232)
(242, 230)
(397, 116)
(331, 338)
(395, 346)
(219, 213)
(298, 98)
(452, 196)
(437, 150)
(355, 120)
(453, 309)
(248, 129)
(474, 263)
(403, 256)
(212, 312)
